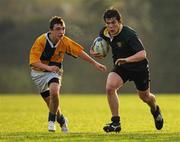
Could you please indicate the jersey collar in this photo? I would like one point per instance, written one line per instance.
(106, 33)
(49, 41)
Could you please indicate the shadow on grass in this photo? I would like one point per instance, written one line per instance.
(89, 137)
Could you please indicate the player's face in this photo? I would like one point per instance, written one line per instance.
(58, 31)
(113, 26)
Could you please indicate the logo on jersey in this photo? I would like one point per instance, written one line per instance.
(119, 44)
(59, 53)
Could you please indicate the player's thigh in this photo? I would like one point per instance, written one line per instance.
(114, 81)
(44, 79)
(54, 86)
(142, 81)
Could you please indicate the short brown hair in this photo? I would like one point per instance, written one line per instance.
(111, 13)
(55, 20)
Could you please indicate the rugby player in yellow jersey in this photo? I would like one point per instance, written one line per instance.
(46, 57)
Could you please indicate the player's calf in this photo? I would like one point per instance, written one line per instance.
(63, 123)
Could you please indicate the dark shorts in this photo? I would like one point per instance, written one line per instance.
(140, 78)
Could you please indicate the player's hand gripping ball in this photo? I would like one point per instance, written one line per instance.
(100, 46)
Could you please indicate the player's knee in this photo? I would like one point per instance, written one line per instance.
(54, 90)
(144, 96)
(110, 89)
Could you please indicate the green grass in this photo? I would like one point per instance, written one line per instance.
(24, 118)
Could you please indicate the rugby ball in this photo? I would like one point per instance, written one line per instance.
(100, 46)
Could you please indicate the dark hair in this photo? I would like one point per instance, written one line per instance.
(55, 20)
(111, 13)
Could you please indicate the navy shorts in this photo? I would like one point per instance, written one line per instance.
(141, 78)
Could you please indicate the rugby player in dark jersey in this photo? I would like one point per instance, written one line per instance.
(130, 64)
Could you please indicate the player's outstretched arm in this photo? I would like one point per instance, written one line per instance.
(96, 55)
(87, 58)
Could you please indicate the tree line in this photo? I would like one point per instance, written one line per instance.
(156, 22)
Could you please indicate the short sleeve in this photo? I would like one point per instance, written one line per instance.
(36, 52)
(135, 43)
(74, 49)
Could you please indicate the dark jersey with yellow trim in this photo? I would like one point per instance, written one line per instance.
(125, 44)
(44, 51)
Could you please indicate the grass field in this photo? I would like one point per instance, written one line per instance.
(23, 118)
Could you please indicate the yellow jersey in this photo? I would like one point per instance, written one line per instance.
(44, 51)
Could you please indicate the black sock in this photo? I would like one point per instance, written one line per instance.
(115, 119)
(52, 117)
(60, 119)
